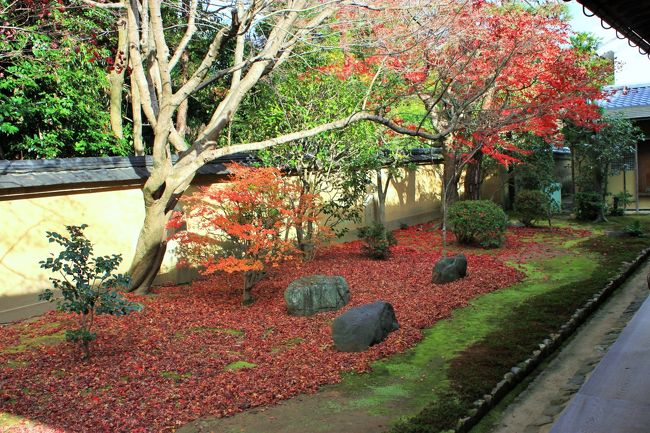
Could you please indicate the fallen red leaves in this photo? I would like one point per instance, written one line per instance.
(159, 369)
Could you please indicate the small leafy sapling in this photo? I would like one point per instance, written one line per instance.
(87, 284)
(376, 240)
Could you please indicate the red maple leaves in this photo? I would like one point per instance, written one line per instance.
(195, 351)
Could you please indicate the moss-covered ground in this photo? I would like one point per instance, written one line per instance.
(462, 358)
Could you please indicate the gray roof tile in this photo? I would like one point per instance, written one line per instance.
(637, 95)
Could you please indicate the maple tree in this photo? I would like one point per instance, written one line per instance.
(457, 58)
(499, 68)
(243, 227)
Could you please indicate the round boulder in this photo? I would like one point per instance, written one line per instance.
(359, 328)
(307, 296)
(450, 269)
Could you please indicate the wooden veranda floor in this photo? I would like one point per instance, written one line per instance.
(616, 397)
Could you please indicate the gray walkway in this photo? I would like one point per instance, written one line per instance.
(536, 408)
(616, 398)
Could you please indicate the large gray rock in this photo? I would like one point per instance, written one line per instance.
(307, 296)
(359, 328)
(450, 269)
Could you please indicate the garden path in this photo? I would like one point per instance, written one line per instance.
(541, 403)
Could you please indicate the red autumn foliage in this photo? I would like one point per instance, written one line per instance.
(154, 371)
(484, 70)
(242, 227)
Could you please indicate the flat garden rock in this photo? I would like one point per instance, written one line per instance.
(359, 328)
(450, 269)
(618, 234)
(307, 296)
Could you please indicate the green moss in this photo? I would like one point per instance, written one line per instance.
(175, 376)
(16, 364)
(287, 344)
(8, 420)
(198, 329)
(238, 365)
(33, 342)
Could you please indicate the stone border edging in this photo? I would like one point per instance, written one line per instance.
(547, 347)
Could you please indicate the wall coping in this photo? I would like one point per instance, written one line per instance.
(73, 173)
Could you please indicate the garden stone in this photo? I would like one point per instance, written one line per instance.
(307, 296)
(359, 328)
(449, 269)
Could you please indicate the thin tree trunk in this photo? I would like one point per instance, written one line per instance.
(116, 78)
(382, 191)
(247, 296)
(250, 279)
(450, 177)
(136, 107)
(474, 177)
(601, 179)
(181, 114)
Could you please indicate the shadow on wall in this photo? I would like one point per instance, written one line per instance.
(113, 219)
(413, 198)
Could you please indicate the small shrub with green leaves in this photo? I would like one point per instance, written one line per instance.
(532, 205)
(376, 240)
(477, 222)
(620, 201)
(634, 229)
(87, 285)
(586, 205)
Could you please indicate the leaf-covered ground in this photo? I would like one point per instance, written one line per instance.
(195, 351)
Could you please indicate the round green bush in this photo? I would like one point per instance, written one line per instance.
(531, 205)
(587, 205)
(477, 222)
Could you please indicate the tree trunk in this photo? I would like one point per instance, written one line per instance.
(450, 177)
(181, 114)
(136, 107)
(474, 178)
(247, 296)
(116, 78)
(150, 249)
(161, 192)
(601, 181)
(250, 279)
(380, 214)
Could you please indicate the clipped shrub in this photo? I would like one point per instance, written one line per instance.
(634, 229)
(441, 415)
(376, 240)
(477, 222)
(531, 205)
(87, 285)
(619, 202)
(586, 205)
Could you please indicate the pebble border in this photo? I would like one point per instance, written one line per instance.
(547, 347)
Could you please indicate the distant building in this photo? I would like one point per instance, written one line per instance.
(633, 102)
